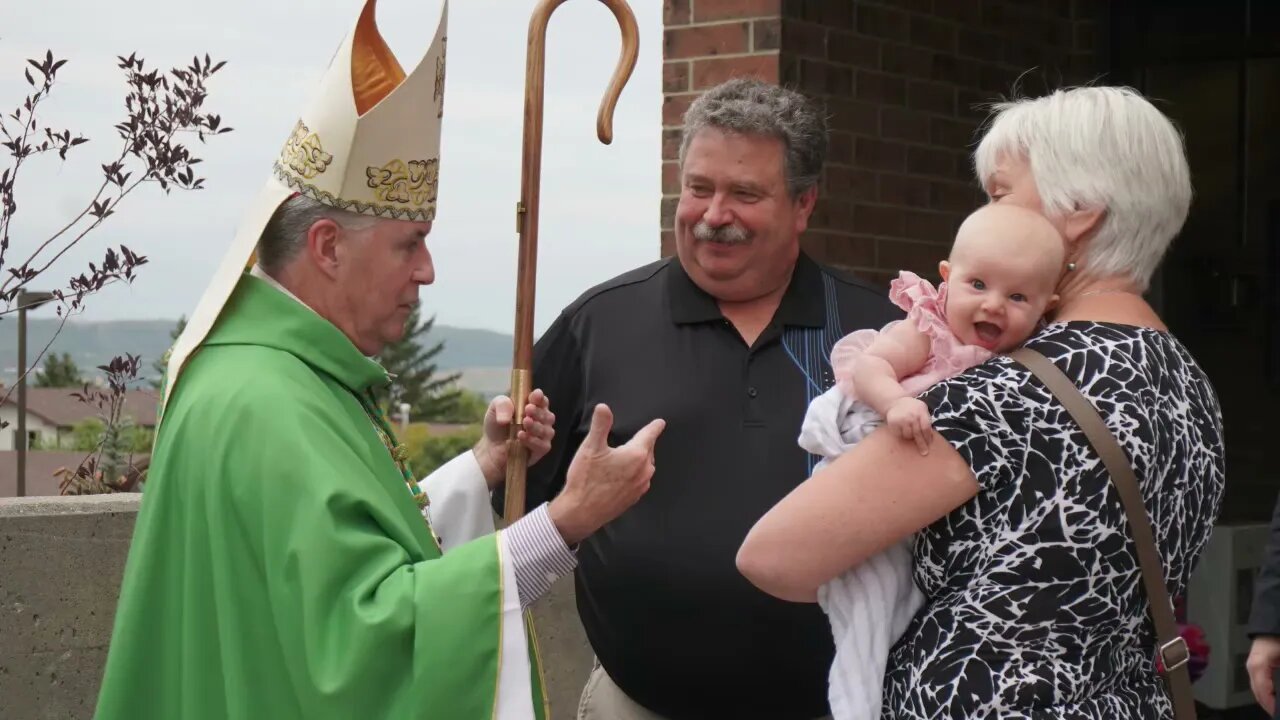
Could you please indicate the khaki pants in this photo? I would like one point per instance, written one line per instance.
(603, 700)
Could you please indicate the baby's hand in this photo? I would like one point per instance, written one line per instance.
(909, 418)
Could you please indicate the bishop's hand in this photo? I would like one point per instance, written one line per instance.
(602, 481)
(536, 432)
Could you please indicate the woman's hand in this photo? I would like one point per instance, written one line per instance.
(909, 419)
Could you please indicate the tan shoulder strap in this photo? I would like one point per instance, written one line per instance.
(1174, 653)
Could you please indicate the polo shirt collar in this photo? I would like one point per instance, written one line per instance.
(802, 304)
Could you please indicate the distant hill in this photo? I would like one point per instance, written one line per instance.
(471, 347)
(483, 355)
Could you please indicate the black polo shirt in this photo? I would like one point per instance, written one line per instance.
(668, 614)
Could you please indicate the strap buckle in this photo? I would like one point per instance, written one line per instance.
(1178, 644)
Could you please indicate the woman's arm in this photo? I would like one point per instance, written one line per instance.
(877, 493)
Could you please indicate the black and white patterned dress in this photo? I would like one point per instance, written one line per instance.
(1035, 607)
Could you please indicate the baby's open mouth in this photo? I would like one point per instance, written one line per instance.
(987, 332)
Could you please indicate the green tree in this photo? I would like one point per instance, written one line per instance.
(435, 451)
(91, 434)
(59, 371)
(416, 376)
(159, 365)
(469, 408)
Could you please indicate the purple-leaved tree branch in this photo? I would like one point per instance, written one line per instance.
(163, 111)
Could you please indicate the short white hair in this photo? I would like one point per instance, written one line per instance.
(1103, 148)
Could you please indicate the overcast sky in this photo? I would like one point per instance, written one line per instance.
(599, 203)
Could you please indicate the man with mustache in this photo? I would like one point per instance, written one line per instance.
(728, 341)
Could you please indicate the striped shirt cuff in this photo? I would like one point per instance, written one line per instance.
(538, 554)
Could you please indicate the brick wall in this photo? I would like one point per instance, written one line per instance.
(900, 82)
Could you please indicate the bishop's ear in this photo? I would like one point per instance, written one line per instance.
(324, 240)
(944, 269)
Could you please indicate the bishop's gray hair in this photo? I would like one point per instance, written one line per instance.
(751, 107)
(285, 235)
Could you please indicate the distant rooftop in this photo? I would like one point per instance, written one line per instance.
(56, 406)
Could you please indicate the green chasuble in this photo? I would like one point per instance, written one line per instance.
(280, 567)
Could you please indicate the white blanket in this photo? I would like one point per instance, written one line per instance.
(870, 605)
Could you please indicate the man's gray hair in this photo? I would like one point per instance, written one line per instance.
(751, 107)
(285, 235)
(1101, 148)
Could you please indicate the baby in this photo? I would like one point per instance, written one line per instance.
(997, 285)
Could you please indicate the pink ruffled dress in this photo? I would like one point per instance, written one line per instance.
(926, 308)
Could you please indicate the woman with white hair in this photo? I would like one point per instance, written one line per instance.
(1034, 601)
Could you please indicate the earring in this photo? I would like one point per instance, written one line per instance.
(1071, 267)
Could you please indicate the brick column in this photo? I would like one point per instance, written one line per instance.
(902, 81)
(705, 43)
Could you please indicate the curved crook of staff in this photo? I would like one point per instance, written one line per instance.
(527, 214)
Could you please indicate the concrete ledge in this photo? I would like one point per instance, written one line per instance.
(69, 505)
(61, 561)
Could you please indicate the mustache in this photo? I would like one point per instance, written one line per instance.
(725, 234)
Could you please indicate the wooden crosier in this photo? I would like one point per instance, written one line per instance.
(527, 214)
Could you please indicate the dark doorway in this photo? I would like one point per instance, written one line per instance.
(1214, 67)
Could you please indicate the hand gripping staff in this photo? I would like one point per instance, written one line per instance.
(527, 214)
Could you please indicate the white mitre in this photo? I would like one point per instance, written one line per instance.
(369, 143)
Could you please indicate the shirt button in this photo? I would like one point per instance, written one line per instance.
(752, 392)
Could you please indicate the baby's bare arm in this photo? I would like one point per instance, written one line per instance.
(900, 352)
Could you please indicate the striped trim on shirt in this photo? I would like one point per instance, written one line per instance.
(810, 350)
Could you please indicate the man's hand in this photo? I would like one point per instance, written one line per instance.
(602, 482)
(536, 432)
(909, 419)
(1264, 657)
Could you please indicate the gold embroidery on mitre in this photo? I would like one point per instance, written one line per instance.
(303, 153)
(390, 212)
(413, 183)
